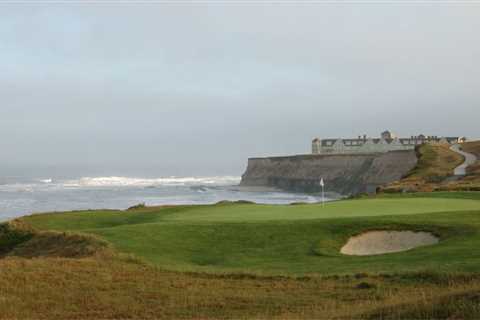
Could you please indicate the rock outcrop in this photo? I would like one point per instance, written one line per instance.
(342, 173)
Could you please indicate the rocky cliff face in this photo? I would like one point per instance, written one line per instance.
(344, 174)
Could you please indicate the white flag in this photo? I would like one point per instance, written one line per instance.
(322, 184)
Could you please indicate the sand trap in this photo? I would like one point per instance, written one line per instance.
(380, 242)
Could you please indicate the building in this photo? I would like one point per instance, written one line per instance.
(387, 135)
(387, 142)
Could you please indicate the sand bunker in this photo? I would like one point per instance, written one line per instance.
(380, 242)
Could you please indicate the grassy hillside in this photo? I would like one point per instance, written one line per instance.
(298, 240)
(472, 147)
(472, 179)
(434, 171)
(435, 162)
(243, 261)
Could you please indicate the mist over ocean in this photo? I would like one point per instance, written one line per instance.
(23, 192)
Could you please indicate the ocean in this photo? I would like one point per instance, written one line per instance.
(24, 195)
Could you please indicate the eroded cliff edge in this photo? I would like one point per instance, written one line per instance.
(344, 174)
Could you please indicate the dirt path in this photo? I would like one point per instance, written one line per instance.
(470, 159)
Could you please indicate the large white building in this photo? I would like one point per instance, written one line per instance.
(387, 142)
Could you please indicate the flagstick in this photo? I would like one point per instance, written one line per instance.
(323, 196)
(322, 184)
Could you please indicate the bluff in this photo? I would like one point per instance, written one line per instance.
(343, 173)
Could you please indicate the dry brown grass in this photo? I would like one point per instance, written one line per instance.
(21, 240)
(61, 244)
(49, 288)
(434, 171)
(472, 180)
(473, 147)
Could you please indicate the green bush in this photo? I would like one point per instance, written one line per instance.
(11, 236)
(137, 206)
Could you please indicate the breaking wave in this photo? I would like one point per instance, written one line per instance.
(119, 182)
(148, 182)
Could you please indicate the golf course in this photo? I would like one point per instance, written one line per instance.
(285, 240)
(244, 260)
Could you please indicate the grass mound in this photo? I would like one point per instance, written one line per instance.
(61, 244)
(19, 240)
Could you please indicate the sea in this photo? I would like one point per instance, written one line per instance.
(24, 195)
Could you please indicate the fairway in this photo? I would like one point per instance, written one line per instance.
(290, 239)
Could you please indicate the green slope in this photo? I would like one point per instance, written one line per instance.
(298, 240)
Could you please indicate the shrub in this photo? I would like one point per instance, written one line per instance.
(137, 206)
(13, 234)
(365, 285)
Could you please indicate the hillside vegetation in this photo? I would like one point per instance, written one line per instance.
(473, 172)
(434, 171)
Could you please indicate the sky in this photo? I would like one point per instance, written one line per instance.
(197, 88)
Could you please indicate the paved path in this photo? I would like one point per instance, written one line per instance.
(470, 159)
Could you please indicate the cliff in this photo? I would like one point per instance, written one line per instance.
(342, 173)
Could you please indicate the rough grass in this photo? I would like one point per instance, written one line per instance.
(60, 288)
(61, 244)
(471, 182)
(435, 162)
(472, 147)
(21, 240)
(434, 171)
(451, 305)
(473, 172)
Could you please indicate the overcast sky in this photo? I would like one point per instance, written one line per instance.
(204, 87)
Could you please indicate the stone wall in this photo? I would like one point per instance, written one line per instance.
(344, 174)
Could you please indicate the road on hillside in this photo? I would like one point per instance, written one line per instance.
(470, 159)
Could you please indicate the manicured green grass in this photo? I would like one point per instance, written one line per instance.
(297, 240)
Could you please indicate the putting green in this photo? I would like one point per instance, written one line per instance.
(338, 209)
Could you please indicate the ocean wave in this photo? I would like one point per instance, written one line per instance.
(151, 182)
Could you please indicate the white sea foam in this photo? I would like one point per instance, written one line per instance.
(147, 182)
(118, 182)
